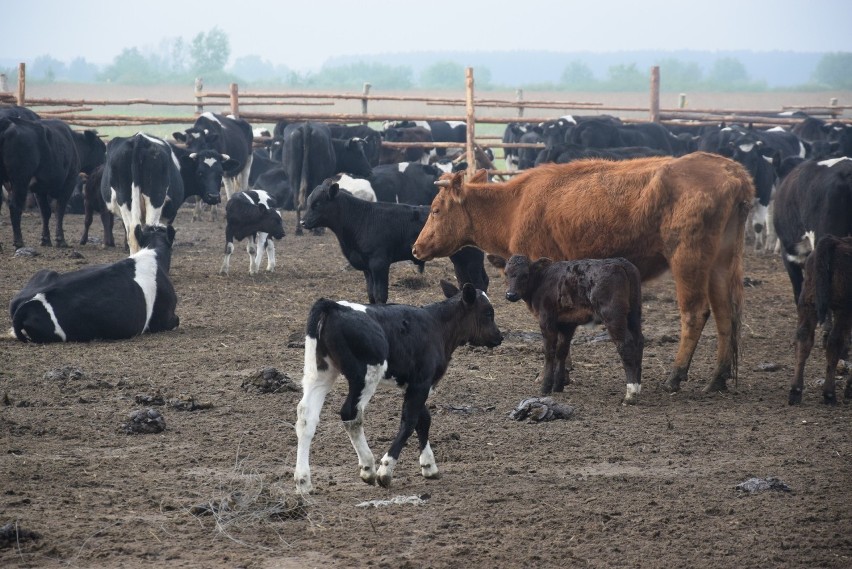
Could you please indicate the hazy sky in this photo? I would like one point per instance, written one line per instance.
(303, 34)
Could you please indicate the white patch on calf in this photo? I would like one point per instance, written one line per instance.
(358, 187)
(57, 329)
(146, 277)
(803, 248)
(833, 161)
(353, 305)
(402, 166)
(802, 150)
(264, 198)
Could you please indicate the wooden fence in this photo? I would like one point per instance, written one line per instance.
(282, 106)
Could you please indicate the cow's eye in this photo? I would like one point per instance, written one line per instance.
(435, 212)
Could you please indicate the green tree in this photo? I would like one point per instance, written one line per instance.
(47, 67)
(443, 75)
(254, 68)
(209, 52)
(130, 66)
(81, 70)
(728, 71)
(834, 70)
(626, 78)
(677, 75)
(353, 76)
(578, 76)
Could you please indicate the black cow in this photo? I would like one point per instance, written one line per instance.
(512, 135)
(111, 302)
(565, 153)
(527, 156)
(311, 155)
(393, 228)
(814, 200)
(41, 156)
(566, 294)
(371, 137)
(406, 134)
(367, 344)
(826, 299)
(251, 214)
(230, 137)
(93, 202)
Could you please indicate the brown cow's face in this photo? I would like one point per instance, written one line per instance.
(447, 227)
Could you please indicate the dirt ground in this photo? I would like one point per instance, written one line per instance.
(645, 486)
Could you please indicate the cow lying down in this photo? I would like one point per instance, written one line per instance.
(826, 299)
(367, 344)
(566, 294)
(115, 301)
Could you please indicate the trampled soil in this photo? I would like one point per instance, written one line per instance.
(645, 486)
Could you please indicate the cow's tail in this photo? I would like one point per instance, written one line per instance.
(823, 269)
(18, 325)
(306, 149)
(735, 272)
(317, 316)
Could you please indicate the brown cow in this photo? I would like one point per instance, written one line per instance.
(826, 298)
(566, 294)
(684, 214)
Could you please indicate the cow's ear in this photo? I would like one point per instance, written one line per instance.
(479, 177)
(91, 135)
(450, 290)
(137, 232)
(187, 161)
(229, 164)
(541, 264)
(468, 293)
(333, 190)
(179, 136)
(497, 261)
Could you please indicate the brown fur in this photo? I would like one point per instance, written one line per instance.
(686, 214)
(826, 298)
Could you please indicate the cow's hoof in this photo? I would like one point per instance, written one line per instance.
(385, 481)
(717, 384)
(430, 472)
(303, 485)
(46, 243)
(829, 398)
(368, 475)
(671, 385)
(630, 400)
(61, 244)
(795, 397)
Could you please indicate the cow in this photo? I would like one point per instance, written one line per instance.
(813, 200)
(229, 136)
(684, 214)
(371, 137)
(93, 202)
(251, 214)
(110, 302)
(146, 179)
(358, 187)
(512, 135)
(567, 294)
(826, 299)
(367, 344)
(410, 154)
(311, 155)
(527, 156)
(390, 232)
(565, 153)
(41, 156)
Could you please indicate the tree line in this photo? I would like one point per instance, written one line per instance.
(177, 61)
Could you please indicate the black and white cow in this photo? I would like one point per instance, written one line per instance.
(371, 137)
(111, 302)
(252, 215)
(230, 137)
(421, 134)
(311, 155)
(813, 200)
(367, 344)
(393, 228)
(41, 156)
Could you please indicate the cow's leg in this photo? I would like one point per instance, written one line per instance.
(298, 230)
(368, 277)
(196, 212)
(262, 243)
(794, 271)
(251, 247)
(317, 381)
(804, 344)
(243, 177)
(725, 290)
(44, 207)
(362, 386)
(837, 340)
(694, 312)
(89, 214)
(108, 221)
(229, 249)
(380, 271)
(415, 401)
(428, 467)
(17, 201)
(61, 207)
(629, 343)
(550, 337)
(563, 356)
(270, 255)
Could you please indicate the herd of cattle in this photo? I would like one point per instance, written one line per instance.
(601, 208)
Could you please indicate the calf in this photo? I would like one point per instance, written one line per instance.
(826, 299)
(393, 229)
(111, 302)
(252, 214)
(367, 344)
(566, 294)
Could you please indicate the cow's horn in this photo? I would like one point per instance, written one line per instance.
(225, 157)
(442, 183)
(193, 156)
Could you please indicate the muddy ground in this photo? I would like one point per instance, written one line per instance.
(645, 486)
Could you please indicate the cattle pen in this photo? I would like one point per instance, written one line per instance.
(261, 107)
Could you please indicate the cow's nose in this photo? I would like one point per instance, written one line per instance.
(513, 296)
(414, 251)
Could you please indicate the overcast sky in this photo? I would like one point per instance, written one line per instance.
(304, 33)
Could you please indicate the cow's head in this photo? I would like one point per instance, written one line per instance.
(521, 274)
(160, 238)
(762, 162)
(448, 227)
(321, 205)
(207, 167)
(196, 138)
(354, 158)
(476, 324)
(270, 218)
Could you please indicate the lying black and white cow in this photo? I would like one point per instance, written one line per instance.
(813, 200)
(367, 344)
(567, 294)
(111, 302)
(252, 214)
(391, 232)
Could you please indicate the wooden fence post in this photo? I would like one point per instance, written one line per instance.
(235, 100)
(22, 84)
(520, 96)
(471, 123)
(681, 101)
(199, 97)
(364, 101)
(655, 94)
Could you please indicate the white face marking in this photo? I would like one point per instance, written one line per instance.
(210, 161)
(194, 135)
(746, 147)
(833, 161)
(403, 166)
(146, 278)
(759, 216)
(353, 305)
(57, 329)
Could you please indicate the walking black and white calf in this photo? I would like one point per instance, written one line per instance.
(826, 299)
(111, 302)
(252, 214)
(366, 344)
(566, 294)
